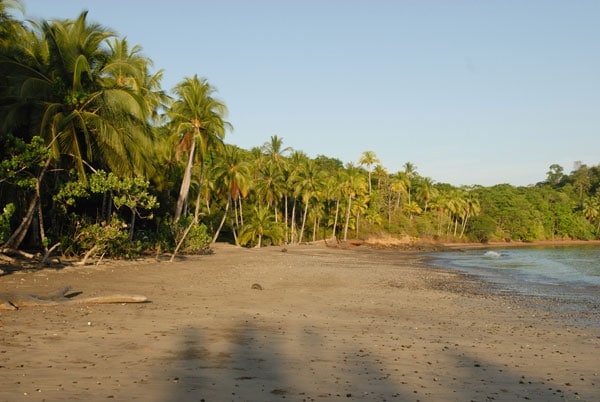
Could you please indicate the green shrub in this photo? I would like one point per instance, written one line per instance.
(197, 240)
(5, 216)
(110, 239)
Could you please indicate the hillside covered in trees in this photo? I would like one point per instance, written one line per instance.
(96, 158)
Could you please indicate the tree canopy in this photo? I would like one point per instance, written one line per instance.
(90, 141)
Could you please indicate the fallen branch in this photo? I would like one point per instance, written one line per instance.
(88, 254)
(47, 254)
(14, 251)
(14, 301)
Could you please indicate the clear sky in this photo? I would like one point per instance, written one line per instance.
(470, 92)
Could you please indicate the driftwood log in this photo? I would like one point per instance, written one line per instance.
(14, 301)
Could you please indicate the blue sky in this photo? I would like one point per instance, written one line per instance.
(471, 92)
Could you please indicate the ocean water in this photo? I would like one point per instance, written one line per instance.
(569, 275)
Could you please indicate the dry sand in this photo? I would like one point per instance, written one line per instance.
(329, 324)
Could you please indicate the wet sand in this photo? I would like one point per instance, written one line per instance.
(329, 324)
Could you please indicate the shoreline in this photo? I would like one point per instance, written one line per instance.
(331, 323)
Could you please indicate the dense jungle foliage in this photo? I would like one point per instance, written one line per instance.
(98, 159)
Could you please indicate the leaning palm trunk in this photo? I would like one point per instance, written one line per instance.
(185, 184)
(303, 223)
(292, 219)
(464, 225)
(285, 200)
(347, 218)
(199, 197)
(337, 210)
(214, 240)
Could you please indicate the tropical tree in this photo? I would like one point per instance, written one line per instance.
(410, 172)
(368, 159)
(591, 210)
(555, 174)
(261, 224)
(60, 89)
(333, 188)
(231, 174)
(425, 192)
(275, 151)
(270, 186)
(197, 121)
(9, 27)
(353, 186)
(581, 180)
(309, 181)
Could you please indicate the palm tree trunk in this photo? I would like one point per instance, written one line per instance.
(347, 218)
(132, 224)
(292, 219)
(337, 210)
(241, 213)
(235, 237)
(285, 200)
(464, 225)
(303, 223)
(214, 240)
(199, 197)
(185, 183)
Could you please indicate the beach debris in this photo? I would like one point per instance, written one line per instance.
(256, 286)
(14, 301)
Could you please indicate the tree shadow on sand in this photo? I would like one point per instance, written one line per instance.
(248, 363)
(256, 360)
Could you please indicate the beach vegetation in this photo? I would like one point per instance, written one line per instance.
(97, 158)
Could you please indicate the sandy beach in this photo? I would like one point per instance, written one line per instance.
(330, 323)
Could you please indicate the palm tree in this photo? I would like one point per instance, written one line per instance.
(354, 186)
(197, 120)
(368, 159)
(232, 174)
(426, 191)
(275, 151)
(277, 162)
(269, 186)
(61, 91)
(70, 101)
(591, 210)
(380, 174)
(334, 192)
(410, 171)
(294, 165)
(261, 224)
(471, 208)
(309, 183)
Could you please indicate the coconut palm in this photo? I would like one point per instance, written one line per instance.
(231, 174)
(275, 151)
(334, 185)
(59, 90)
(309, 181)
(410, 171)
(426, 191)
(9, 27)
(270, 186)
(197, 121)
(353, 187)
(294, 165)
(261, 224)
(368, 159)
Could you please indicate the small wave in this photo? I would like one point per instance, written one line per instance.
(492, 254)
